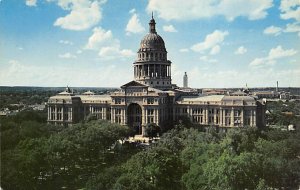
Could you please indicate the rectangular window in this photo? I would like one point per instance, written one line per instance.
(150, 100)
(118, 101)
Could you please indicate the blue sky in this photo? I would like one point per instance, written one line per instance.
(93, 43)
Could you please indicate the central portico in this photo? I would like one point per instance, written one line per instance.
(137, 105)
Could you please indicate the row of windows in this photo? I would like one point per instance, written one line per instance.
(60, 116)
(60, 109)
(216, 120)
(157, 82)
(150, 101)
(152, 56)
(118, 111)
(150, 111)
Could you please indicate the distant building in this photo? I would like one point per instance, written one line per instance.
(266, 94)
(152, 98)
(185, 80)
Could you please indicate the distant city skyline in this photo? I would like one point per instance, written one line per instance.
(93, 43)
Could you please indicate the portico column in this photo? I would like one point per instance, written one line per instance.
(251, 118)
(139, 71)
(215, 116)
(220, 117)
(156, 116)
(168, 71)
(113, 115)
(55, 117)
(232, 117)
(125, 116)
(205, 115)
(160, 71)
(143, 116)
(144, 120)
(49, 112)
(122, 117)
(62, 114)
(71, 114)
(254, 118)
(101, 110)
(104, 112)
(242, 117)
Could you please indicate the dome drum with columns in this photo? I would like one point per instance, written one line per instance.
(152, 67)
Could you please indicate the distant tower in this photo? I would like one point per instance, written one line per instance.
(185, 80)
(277, 86)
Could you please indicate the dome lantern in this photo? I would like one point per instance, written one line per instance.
(152, 25)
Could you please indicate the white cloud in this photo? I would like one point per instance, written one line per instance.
(279, 52)
(207, 59)
(31, 3)
(215, 50)
(67, 56)
(132, 11)
(241, 50)
(193, 9)
(213, 76)
(169, 28)
(13, 61)
(289, 28)
(108, 47)
(66, 42)
(134, 25)
(293, 27)
(100, 38)
(290, 9)
(83, 14)
(273, 30)
(211, 41)
(16, 73)
(184, 50)
(273, 56)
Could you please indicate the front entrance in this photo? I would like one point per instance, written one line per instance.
(134, 117)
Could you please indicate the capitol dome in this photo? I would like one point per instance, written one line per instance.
(152, 67)
(152, 41)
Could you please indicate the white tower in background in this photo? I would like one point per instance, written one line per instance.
(185, 80)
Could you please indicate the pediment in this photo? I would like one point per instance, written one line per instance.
(133, 84)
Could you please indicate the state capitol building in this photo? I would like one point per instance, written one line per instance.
(152, 98)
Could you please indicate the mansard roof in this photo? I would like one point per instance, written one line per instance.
(133, 84)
